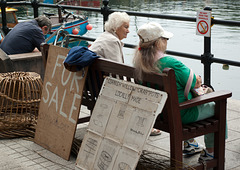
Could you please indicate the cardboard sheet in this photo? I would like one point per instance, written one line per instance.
(60, 104)
(120, 124)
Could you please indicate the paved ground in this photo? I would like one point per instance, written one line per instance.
(21, 154)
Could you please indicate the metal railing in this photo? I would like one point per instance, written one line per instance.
(206, 58)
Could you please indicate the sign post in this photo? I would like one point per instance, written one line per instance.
(204, 23)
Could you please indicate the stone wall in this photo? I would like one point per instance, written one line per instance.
(28, 62)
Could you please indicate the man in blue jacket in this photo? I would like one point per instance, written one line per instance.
(26, 36)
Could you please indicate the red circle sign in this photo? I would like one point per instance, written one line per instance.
(202, 27)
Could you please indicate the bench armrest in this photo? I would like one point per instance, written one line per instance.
(214, 96)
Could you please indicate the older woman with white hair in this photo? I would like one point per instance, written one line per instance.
(108, 44)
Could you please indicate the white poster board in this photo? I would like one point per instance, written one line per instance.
(203, 26)
(120, 124)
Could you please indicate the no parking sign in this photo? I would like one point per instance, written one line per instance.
(204, 23)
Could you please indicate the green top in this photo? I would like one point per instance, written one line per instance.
(182, 73)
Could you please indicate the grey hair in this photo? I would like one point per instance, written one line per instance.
(115, 20)
(44, 21)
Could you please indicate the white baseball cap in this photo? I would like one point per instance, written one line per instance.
(152, 31)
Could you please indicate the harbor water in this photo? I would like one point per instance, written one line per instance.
(225, 39)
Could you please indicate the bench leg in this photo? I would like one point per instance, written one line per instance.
(176, 152)
(219, 137)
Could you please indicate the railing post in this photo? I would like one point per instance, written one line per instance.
(105, 11)
(3, 4)
(35, 8)
(206, 58)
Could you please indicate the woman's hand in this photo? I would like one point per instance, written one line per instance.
(198, 81)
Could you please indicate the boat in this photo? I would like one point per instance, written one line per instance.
(87, 3)
(77, 25)
(10, 16)
(65, 23)
(71, 23)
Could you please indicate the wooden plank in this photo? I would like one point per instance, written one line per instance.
(60, 104)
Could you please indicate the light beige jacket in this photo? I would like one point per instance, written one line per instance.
(108, 45)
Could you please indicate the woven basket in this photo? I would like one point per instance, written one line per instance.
(19, 103)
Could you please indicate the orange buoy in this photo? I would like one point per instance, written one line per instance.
(89, 27)
(75, 31)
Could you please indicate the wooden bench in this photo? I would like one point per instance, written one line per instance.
(171, 121)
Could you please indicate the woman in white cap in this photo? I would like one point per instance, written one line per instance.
(108, 44)
(149, 57)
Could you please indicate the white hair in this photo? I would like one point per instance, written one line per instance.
(115, 20)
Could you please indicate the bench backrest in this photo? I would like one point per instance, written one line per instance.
(100, 68)
(165, 82)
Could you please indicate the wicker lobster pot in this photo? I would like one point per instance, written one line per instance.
(19, 103)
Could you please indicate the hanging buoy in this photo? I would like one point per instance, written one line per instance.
(225, 67)
(89, 27)
(75, 31)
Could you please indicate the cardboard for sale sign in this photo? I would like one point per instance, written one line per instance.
(60, 104)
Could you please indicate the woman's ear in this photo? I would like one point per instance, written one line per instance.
(158, 43)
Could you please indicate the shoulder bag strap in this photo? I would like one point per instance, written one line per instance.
(188, 85)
